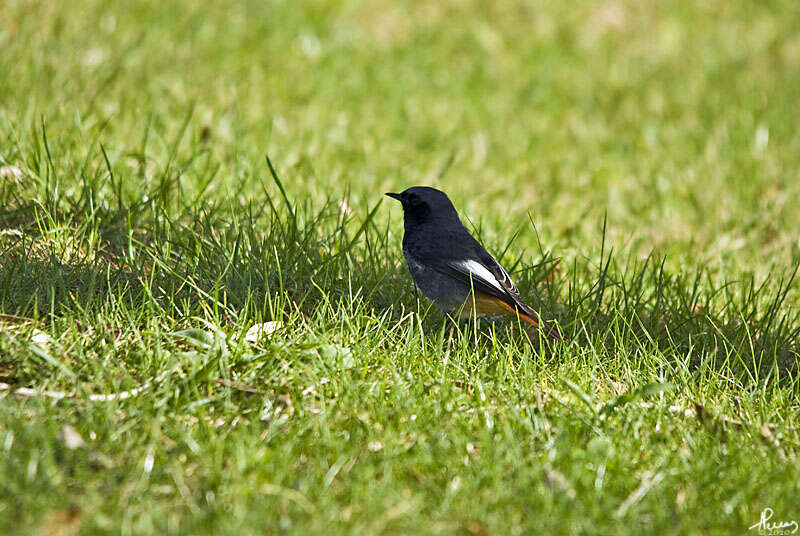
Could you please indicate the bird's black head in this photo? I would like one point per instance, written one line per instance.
(422, 204)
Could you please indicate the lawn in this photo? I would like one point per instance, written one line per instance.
(206, 322)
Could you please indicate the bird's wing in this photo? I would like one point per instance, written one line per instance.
(487, 276)
(501, 276)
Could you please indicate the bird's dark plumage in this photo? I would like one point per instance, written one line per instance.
(447, 263)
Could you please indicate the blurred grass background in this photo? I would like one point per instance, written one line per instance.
(136, 203)
(675, 118)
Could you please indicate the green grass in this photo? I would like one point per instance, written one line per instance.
(174, 174)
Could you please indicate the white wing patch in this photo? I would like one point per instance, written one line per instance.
(479, 271)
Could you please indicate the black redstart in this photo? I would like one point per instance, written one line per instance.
(447, 263)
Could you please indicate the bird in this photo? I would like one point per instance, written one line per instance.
(453, 269)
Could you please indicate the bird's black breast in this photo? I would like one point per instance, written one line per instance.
(447, 293)
(429, 247)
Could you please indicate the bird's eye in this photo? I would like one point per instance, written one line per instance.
(414, 200)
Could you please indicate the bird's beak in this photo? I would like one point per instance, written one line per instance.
(399, 197)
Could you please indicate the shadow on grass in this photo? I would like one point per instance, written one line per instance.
(688, 317)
